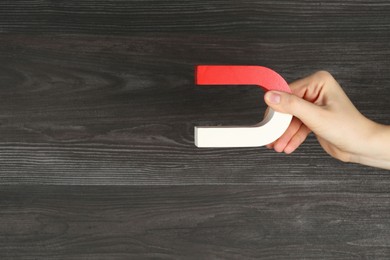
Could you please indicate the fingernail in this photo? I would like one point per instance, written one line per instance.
(273, 98)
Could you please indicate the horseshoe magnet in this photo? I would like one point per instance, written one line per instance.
(265, 132)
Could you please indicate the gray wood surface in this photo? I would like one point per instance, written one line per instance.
(97, 109)
(265, 221)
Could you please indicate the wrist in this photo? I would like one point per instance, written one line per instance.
(375, 146)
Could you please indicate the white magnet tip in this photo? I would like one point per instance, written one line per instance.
(263, 133)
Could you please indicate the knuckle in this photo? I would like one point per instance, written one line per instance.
(292, 101)
(342, 156)
(324, 75)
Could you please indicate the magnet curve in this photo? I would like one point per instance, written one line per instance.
(274, 123)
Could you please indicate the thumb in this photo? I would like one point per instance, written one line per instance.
(309, 113)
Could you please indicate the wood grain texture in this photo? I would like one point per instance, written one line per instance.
(122, 109)
(268, 221)
(97, 109)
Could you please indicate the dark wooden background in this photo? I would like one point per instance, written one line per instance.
(97, 109)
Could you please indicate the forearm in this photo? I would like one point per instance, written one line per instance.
(376, 148)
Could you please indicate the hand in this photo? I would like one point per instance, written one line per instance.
(320, 105)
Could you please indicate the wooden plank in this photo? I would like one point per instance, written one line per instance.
(288, 18)
(121, 110)
(268, 221)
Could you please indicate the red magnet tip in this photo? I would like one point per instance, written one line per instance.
(240, 75)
